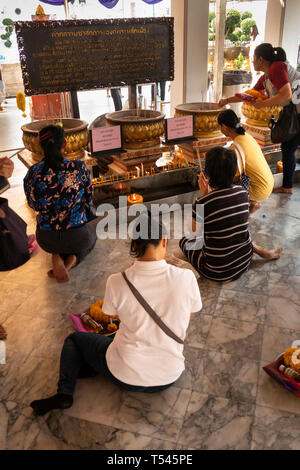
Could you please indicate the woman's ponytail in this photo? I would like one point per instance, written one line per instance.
(279, 54)
(52, 139)
(230, 119)
(270, 53)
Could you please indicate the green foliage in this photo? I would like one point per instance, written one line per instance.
(246, 26)
(211, 37)
(233, 19)
(239, 61)
(246, 14)
(245, 38)
(211, 16)
(7, 21)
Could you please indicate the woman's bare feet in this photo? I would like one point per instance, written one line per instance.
(254, 206)
(59, 270)
(69, 263)
(267, 254)
(283, 190)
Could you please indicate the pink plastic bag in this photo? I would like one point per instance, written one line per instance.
(77, 322)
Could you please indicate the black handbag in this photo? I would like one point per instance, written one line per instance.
(287, 125)
(13, 239)
(90, 211)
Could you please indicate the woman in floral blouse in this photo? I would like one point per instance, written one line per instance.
(58, 190)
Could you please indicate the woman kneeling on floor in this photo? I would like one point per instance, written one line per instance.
(59, 190)
(248, 150)
(144, 356)
(227, 247)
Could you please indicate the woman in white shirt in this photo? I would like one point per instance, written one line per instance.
(142, 357)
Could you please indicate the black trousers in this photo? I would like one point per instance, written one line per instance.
(78, 241)
(288, 150)
(83, 354)
(116, 96)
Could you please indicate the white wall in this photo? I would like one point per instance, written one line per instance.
(291, 30)
(191, 51)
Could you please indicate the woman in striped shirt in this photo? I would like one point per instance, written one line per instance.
(227, 249)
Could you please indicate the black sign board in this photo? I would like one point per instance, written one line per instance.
(85, 54)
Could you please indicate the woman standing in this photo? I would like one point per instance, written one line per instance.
(59, 189)
(256, 167)
(277, 82)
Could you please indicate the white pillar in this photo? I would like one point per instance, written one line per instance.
(191, 51)
(274, 21)
(291, 31)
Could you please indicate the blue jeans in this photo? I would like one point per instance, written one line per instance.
(288, 150)
(83, 355)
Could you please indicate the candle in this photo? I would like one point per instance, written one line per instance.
(138, 171)
(147, 173)
(128, 177)
(142, 168)
(134, 199)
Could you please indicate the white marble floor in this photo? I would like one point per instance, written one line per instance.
(223, 400)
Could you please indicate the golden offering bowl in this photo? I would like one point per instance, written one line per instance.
(76, 134)
(259, 117)
(205, 117)
(141, 128)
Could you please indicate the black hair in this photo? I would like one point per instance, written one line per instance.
(220, 167)
(230, 119)
(52, 139)
(270, 53)
(155, 228)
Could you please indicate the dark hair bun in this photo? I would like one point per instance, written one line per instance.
(230, 119)
(270, 53)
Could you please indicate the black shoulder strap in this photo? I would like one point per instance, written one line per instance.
(151, 312)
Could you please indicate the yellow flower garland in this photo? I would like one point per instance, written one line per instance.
(21, 102)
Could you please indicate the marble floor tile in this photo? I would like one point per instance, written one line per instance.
(235, 337)
(96, 400)
(49, 302)
(12, 296)
(80, 303)
(217, 423)
(283, 312)
(276, 340)
(3, 426)
(49, 336)
(157, 415)
(275, 430)
(87, 435)
(89, 282)
(198, 330)
(283, 286)
(273, 395)
(28, 432)
(29, 379)
(241, 306)
(251, 282)
(192, 363)
(228, 376)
